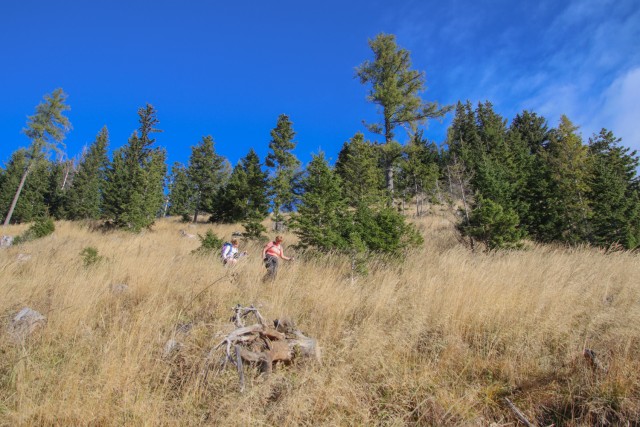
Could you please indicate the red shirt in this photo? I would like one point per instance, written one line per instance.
(274, 249)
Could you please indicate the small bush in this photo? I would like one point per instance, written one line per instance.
(90, 256)
(42, 227)
(253, 230)
(208, 243)
(493, 225)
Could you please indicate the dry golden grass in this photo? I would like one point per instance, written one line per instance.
(440, 339)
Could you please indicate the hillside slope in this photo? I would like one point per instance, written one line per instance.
(440, 339)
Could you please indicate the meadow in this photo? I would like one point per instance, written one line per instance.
(441, 338)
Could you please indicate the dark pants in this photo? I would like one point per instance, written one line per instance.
(271, 263)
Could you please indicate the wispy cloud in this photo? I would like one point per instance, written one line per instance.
(578, 58)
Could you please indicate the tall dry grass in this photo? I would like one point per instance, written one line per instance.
(439, 339)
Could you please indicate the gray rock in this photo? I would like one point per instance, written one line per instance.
(23, 257)
(171, 347)
(25, 323)
(6, 241)
(119, 288)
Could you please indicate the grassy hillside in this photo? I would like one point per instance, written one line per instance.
(438, 340)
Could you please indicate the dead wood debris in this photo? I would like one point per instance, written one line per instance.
(261, 344)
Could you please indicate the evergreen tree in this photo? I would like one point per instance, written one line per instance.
(419, 171)
(284, 165)
(322, 218)
(395, 88)
(530, 133)
(60, 176)
(133, 192)
(245, 195)
(566, 159)
(613, 192)
(180, 196)
(208, 172)
(46, 129)
(31, 204)
(84, 199)
(358, 166)
(493, 225)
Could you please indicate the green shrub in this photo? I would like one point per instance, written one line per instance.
(253, 230)
(208, 243)
(40, 228)
(494, 225)
(90, 256)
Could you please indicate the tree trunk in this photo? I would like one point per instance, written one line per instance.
(390, 179)
(15, 198)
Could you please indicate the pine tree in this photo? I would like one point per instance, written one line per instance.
(358, 166)
(395, 88)
(46, 129)
(208, 172)
(566, 158)
(245, 195)
(84, 199)
(60, 176)
(322, 217)
(419, 170)
(613, 192)
(284, 165)
(180, 196)
(31, 204)
(532, 134)
(133, 192)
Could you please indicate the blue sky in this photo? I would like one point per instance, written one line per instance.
(228, 69)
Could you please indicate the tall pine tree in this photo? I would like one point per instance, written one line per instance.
(46, 129)
(284, 165)
(135, 180)
(395, 89)
(613, 192)
(322, 218)
(84, 199)
(208, 172)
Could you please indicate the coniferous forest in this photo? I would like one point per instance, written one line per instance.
(510, 180)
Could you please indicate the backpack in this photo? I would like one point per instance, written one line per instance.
(225, 246)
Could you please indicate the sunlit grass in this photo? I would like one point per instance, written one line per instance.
(439, 339)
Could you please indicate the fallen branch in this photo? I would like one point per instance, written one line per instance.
(518, 413)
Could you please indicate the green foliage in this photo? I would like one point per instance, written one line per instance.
(359, 167)
(568, 176)
(32, 201)
(253, 229)
(613, 192)
(207, 173)
(419, 170)
(385, 230)
(322, 214)
(42, 227)
(90, 256)
(245, 194)
(283, 164)
(46, 129)
(180, 193)
(493, 225)
(396, 89)
(133, 195)
(209, 243)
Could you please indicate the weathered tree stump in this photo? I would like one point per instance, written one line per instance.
(263, 345)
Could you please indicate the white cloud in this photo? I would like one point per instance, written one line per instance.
(620, 110)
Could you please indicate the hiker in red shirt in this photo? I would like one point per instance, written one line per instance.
(271, 254)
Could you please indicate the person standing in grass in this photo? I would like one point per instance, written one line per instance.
(271, 255)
